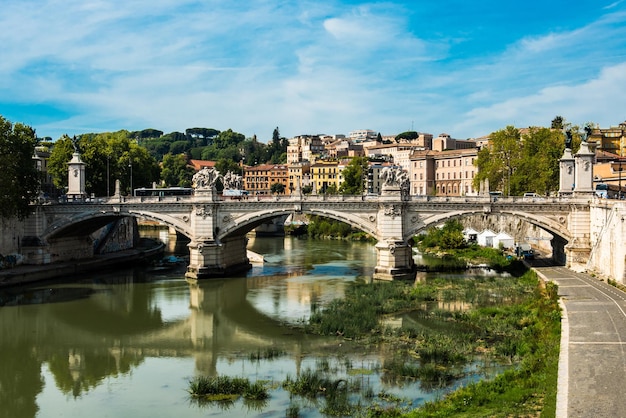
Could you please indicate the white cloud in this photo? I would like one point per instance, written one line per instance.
(304, 66)
(601, 100)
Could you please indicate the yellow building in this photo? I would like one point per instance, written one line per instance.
(611, 139)
(324, 174)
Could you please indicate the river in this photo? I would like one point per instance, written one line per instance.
(127, 343)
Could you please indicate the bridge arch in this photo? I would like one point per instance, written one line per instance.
(90, 221)
(557, 228)
(246, 222)
(550, 225)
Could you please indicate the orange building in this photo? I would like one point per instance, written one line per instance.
(258, 180)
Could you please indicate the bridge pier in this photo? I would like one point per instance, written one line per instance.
(211, 258)
(559, 255)
(395, 261)
(394, 254)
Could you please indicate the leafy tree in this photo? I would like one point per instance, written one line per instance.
(60, 155)
(228, 138)
(558, 122)
(107, 157)
(253, 151)
(203, 136)
(516, 163)
(331, 189)
(277, 188)
(175, 136)
(354, 176)
(277, 149)
(452, 235)
(157, 147)
(448, 237)
(19, 178)
(175, 170)
(179, 147)
(408, 135)
(538, 167)
(497, 161)
(147, 134)
(224, 165)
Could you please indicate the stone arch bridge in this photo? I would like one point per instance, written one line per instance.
(217, 227)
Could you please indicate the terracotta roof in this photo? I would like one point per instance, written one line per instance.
(200, 164)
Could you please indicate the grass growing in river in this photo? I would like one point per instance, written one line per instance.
(225, 388)
(515, 320)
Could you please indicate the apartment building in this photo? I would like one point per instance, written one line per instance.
(343, 149)
(363, 135)
(324, 174)
(443, 173)
(304, 148)
(258, 180)
(399, 154)
(446, 142)
(611, 139)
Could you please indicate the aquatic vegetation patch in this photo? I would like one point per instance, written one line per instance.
(226, 389)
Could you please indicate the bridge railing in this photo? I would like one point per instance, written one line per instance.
(333, 198)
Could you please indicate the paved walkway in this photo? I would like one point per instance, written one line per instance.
(592, 365)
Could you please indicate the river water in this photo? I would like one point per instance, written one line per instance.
(127, 343)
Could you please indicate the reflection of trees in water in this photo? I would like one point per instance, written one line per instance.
(80, 371)
(20, 380)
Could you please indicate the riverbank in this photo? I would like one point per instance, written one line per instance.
(29, 274)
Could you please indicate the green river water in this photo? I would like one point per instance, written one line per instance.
(127, 343)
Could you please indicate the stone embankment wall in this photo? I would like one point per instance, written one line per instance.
(11, 233)
(608, 243)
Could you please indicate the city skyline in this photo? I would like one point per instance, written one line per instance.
(330, 67)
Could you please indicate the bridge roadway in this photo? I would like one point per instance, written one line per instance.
(592, 365)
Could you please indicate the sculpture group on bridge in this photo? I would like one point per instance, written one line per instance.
(394, 177)
(206, 179)
(232, 181)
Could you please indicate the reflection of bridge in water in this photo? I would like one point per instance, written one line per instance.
(120, 327)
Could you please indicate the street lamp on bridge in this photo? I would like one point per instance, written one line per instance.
(130, 164)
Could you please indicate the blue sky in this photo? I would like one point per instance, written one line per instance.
(311, 67)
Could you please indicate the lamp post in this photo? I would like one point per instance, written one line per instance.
(619, 192)
(108, 188)
(130, 164)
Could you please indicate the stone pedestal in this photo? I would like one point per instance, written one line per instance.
(584, 159)
(76, 178)
(567, 178)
